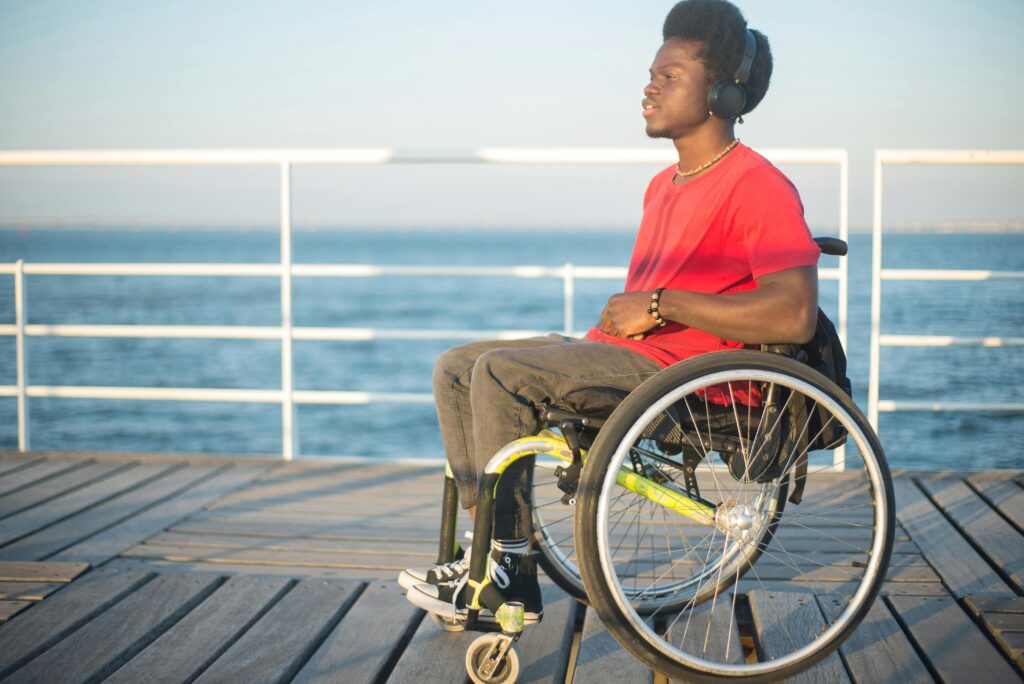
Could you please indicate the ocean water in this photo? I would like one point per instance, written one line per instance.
(922, 440)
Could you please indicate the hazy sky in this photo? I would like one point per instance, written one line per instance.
(458, 74)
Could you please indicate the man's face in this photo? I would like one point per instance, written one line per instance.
(675, 100)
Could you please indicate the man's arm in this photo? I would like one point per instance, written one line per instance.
(783, 309)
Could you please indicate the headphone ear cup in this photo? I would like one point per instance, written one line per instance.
(726, 99)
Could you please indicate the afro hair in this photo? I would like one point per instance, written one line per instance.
(721, 29)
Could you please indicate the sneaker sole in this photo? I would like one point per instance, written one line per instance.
(407, 580)
(450, 612)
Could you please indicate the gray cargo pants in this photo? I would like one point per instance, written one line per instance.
(487, 392)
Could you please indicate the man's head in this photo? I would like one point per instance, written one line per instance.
(704, 44)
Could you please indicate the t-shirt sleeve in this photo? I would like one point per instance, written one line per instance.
(769, 221)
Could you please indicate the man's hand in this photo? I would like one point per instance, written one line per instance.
(625, 315)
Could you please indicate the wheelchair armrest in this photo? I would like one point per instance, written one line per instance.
(832, 246)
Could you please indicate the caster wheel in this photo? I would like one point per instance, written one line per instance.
(446, 624)
(480, 655)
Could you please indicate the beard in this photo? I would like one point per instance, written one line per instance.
(658, 132)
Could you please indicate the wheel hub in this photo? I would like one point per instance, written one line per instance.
(736, 520)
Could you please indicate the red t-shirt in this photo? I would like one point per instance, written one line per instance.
(736, 222)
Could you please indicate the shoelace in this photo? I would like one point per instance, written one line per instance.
(453, 568)
(497, 573)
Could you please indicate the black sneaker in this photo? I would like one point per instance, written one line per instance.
(511, 577)
(439, 574)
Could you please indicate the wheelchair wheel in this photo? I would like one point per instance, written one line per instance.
(748, 591)
(553, 528)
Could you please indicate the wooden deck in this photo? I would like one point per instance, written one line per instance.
(164, 569)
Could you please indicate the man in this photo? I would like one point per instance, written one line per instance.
(723, 259)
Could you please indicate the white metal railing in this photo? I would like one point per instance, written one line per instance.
(287, 396)
(879, 274)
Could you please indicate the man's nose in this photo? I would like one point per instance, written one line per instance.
(650, 89)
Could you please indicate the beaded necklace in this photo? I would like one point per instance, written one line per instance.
(707, 165)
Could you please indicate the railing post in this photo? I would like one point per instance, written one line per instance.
(568, 298)
(289, 430)
(839, 454)
(844, 235)
(21, 351)
(876, 294)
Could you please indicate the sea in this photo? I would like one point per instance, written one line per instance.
(933, 440)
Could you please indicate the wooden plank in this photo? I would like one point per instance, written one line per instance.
(845, 589)
(1013, 645)
(109, 640)
(901, 569)
(65, 533)
(30, 520)
(34, 472)
(191, 645)
(709, 632)
(10, 464)
(1006, 495)
(20, 571)
(220, 569)
(957, 563)
(953, 645)
(385, 559)
(433, 655)
(546, 645)
(990, 532)
(104, 545)
(325, 520)
(271, 527)
(994, 604)
(275, 648)
(224, 541)
(1004, 622)
(878, 651)
(602, 660)
(52, 487)
(9, 609)
(28, 591)
(367, 641)
(787, 620)
(344, 480)
(61, 614)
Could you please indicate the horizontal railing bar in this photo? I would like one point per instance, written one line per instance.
(948, 341)
(253, 396)
(331, 270)
(335, 397)
(150, 269)
(196, 157)
(293, 156)
(937, 406)
(240, 332)
(903, 156)
(948, 274)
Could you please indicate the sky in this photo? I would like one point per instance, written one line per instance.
(454, 74)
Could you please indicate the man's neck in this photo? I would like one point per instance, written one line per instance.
(701, 146)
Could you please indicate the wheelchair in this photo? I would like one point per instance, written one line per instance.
(733, 518)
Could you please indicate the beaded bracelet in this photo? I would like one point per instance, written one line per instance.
(653, 310)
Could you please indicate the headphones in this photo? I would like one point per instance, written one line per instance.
(726, 99)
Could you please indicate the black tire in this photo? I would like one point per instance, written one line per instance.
(843, 528)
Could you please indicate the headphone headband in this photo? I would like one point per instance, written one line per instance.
(749, 53)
